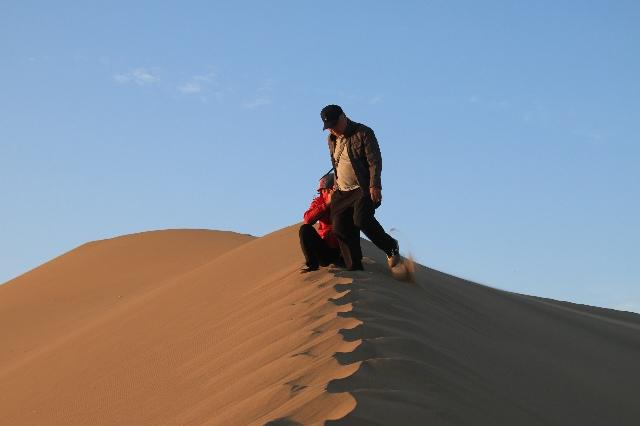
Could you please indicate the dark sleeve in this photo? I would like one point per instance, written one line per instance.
(331, 149)
(315, 211)
(374, 158)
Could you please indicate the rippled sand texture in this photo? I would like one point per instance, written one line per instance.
(209, 327)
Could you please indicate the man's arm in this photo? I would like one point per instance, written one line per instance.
(374, 160)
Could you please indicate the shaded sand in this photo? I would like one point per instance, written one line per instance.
(208, 327)
(449, 351)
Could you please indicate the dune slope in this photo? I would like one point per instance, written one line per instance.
(207, 327)
(217, 328)
(449, 351)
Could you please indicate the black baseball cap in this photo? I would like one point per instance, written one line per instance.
(330, 115)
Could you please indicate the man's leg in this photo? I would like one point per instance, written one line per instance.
(363, 217)
(310, 242)
(343, 227)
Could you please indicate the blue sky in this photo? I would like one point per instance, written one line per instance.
(509, 131)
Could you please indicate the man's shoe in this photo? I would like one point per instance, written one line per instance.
(393, 256)
(339, 264)
(306, 269)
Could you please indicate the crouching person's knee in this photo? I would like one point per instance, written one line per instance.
(305, 229)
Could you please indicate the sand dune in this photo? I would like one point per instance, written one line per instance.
(208, 327)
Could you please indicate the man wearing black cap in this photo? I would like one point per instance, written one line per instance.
(357, 162)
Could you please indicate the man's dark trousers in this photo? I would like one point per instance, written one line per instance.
(352, 212)
(316, 251)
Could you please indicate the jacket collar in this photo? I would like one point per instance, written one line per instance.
(350, 130)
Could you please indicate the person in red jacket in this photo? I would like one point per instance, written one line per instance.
(319, 246)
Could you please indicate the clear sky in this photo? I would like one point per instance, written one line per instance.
(509, 130)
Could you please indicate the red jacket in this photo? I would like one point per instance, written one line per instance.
(321, 213)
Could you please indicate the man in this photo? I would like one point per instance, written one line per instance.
(320, 247)
(357, 162)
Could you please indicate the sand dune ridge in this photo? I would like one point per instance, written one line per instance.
(210, 327)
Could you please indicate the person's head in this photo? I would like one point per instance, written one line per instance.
(325, 186)
(334, 119)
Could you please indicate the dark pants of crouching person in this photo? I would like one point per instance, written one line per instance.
(352, 212)
(316, 250)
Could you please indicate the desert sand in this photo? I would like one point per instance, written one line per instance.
(191, 327)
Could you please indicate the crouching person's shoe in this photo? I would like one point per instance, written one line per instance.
(305, 269)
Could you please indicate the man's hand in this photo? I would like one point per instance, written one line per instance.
(376, 195)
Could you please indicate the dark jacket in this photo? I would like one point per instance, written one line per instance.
(364, 152)
(320, 212)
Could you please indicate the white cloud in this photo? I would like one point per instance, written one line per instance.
(262, 97)
(206, 78)
(590, 136)
(120, 78)
(40, 58)
(191, 87)
(198, 84)
(488, 101)
(375, 100)
(139, 76)
(257, 102)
